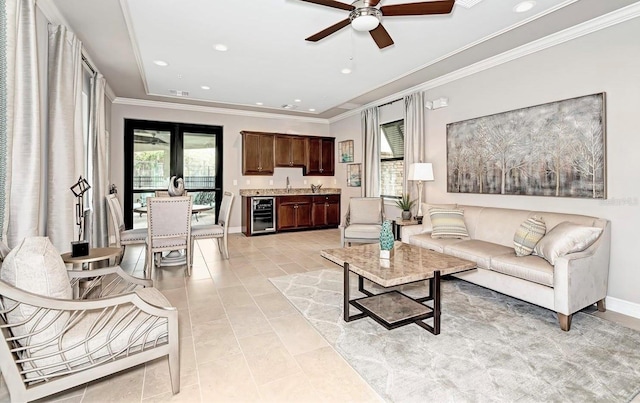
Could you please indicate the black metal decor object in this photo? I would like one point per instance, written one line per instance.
(80, 247)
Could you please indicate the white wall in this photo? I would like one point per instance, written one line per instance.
(232, 145)
(607, 60)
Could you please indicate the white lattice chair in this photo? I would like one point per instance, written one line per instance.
(52, 342)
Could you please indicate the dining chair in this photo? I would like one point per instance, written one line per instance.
(219, 231)
(168, 228)
(119, 236)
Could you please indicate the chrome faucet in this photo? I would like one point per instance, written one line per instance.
(288, 185)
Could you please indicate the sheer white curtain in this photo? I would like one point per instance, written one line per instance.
(65, 143)
(371, 140)
(99, 162)
(414, 138)
(21, 163)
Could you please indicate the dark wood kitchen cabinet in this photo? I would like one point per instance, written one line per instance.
(320, 156)
(257, 153)
(290, 151)
(293, 212)
(325, 211)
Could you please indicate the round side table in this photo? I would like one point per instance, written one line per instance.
(95, 255)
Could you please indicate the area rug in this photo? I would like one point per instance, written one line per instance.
(492, 348)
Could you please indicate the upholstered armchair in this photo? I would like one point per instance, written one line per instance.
(363, 220)
(52, 342)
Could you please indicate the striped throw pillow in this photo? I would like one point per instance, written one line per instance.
(527, 236)
(448, 223)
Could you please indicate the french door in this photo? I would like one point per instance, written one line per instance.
(156, 151)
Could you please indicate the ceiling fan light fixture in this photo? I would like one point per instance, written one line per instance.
(365, 19)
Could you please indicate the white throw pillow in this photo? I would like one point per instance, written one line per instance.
(36, 266)
(566, 238)
(427, 226)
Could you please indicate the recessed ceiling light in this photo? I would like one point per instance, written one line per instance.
(312, 109)
(346, 70)
(524, 6)
(259, 103)
(205, 87)
(160, 63)
(297, 100)
(220, 47)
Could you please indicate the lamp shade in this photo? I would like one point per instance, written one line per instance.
(420, 171)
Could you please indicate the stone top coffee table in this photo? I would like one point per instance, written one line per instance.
(408, 264)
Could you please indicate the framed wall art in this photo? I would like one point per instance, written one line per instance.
(346, 150)
(354, 175)
(555, 149)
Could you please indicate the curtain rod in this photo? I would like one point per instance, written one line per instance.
(88, 64)
(390, 102)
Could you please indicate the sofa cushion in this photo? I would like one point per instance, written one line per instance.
(426, 219)
(530, 268)
(497, 225)
(566, 238)
(365, 211)
(527, 236)
(448, 223)
(367, 231)
(477, 251)
(36, 266)
(424, 240)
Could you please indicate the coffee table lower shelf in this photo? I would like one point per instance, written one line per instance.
(393, 309)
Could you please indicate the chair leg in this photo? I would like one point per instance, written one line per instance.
(174, 371)
(226, 247)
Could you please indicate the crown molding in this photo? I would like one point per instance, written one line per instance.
(613, 18)
(211, 109)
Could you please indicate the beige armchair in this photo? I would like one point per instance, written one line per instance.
(51, 342)
(363, 220)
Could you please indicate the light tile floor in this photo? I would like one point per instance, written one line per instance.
(241, 340)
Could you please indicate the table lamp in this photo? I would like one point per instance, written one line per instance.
(80, 247)
(420, 172)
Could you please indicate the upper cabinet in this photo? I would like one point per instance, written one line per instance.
(290, 151)
(257, 153)
(261, 152)
(320, 157)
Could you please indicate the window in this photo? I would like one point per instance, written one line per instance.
(392, 159)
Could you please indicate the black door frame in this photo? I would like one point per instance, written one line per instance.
(177, 131)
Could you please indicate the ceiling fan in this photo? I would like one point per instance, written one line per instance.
(364, 16)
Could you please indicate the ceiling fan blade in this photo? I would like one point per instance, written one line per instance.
(381, 36)
(332, 3)
(426, 8)
(328, 31)
(373, 3)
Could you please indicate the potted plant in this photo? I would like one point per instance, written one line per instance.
(405, 204)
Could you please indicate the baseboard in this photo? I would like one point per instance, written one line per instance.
(624, 307)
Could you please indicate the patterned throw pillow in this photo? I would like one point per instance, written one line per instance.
(448, 223)
(527, 236)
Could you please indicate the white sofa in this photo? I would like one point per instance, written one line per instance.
(575, 281)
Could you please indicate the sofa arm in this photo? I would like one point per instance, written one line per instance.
(581, 279)
(408, 231)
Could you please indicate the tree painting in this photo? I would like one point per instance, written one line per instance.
(555, 149)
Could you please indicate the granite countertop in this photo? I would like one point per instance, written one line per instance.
(292, 192)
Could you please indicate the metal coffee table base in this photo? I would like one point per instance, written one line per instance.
(393, 309)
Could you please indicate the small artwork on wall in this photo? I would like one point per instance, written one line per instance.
(346, 151)
(354, 176)
(555, 149)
